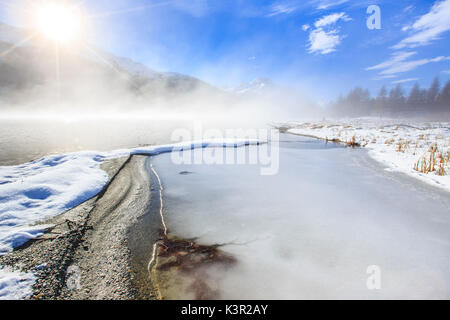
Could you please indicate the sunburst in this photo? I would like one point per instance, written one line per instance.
(63, 23)
(59, 22)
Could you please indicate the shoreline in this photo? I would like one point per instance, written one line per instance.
(89, 244)
(101, 248)
(166, 266)
(399, 147)
(62, 205)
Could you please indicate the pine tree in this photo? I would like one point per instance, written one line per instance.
(444, 97)
(396, 99)
(433, 92)
(414, 98)
(380, 101)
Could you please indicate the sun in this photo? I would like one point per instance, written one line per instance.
(59, 22)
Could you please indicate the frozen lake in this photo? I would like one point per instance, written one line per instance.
(313, 229)
(22, 141)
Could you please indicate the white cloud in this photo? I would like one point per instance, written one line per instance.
(383, 77)
(278, 9)
(305, 27)
(405, 80)
(409, 8)
(323, 42)
(406, 28)
(324, 38)
(396, 58)
(446, 71)
(398, 63)
(325, 4)
(428, 27)
(410, 65)
(331, 19)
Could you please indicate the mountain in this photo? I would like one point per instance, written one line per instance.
(257, 86)
(154, 81)
(33, 67)
(13, 35)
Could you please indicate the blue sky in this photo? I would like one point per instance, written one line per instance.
(322, 47)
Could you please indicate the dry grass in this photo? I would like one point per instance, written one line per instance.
(402, 146)
(431, 148)
(352, 143)
(433, 161)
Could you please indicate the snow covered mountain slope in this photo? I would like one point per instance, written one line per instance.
(12, 34)
(151, 78)
(256, 86)
(83, 73)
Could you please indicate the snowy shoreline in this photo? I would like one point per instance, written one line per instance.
(44, 188)
(418, 149)
(33, 192)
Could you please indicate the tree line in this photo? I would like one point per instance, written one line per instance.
(419, 102)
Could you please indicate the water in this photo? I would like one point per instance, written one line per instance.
(22, 141)
(29, 139)
(312, 230)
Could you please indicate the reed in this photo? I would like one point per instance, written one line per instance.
(433, 161)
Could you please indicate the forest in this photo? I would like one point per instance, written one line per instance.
(433, 102)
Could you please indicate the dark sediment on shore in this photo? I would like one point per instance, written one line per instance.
(101, 249)
(167, 267)
(181, 269)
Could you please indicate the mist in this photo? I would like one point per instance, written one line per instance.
(431, 103)
(75, 98)
(88, 82)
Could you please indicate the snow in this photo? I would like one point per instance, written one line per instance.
(33, 192)
(312, 230)
(258, 85)
(15, 285)
(128, 65)
(401, 146)
(41, 189)
(135, 68)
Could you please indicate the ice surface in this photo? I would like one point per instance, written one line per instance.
(41, 189)
(312, 230)
(400, 145)
(35, 191)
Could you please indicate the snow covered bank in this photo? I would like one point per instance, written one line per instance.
(420, 150)
(35, 191)
(41, 189)
(15, 285)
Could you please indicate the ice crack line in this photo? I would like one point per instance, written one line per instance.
(163, 222)
(161, 207)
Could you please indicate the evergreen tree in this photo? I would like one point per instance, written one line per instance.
(396, 100)
(433, 92)
(380, 101)
(444, 97)
(358, 101)
(420, 101)
(414, 98)
(423, 97)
